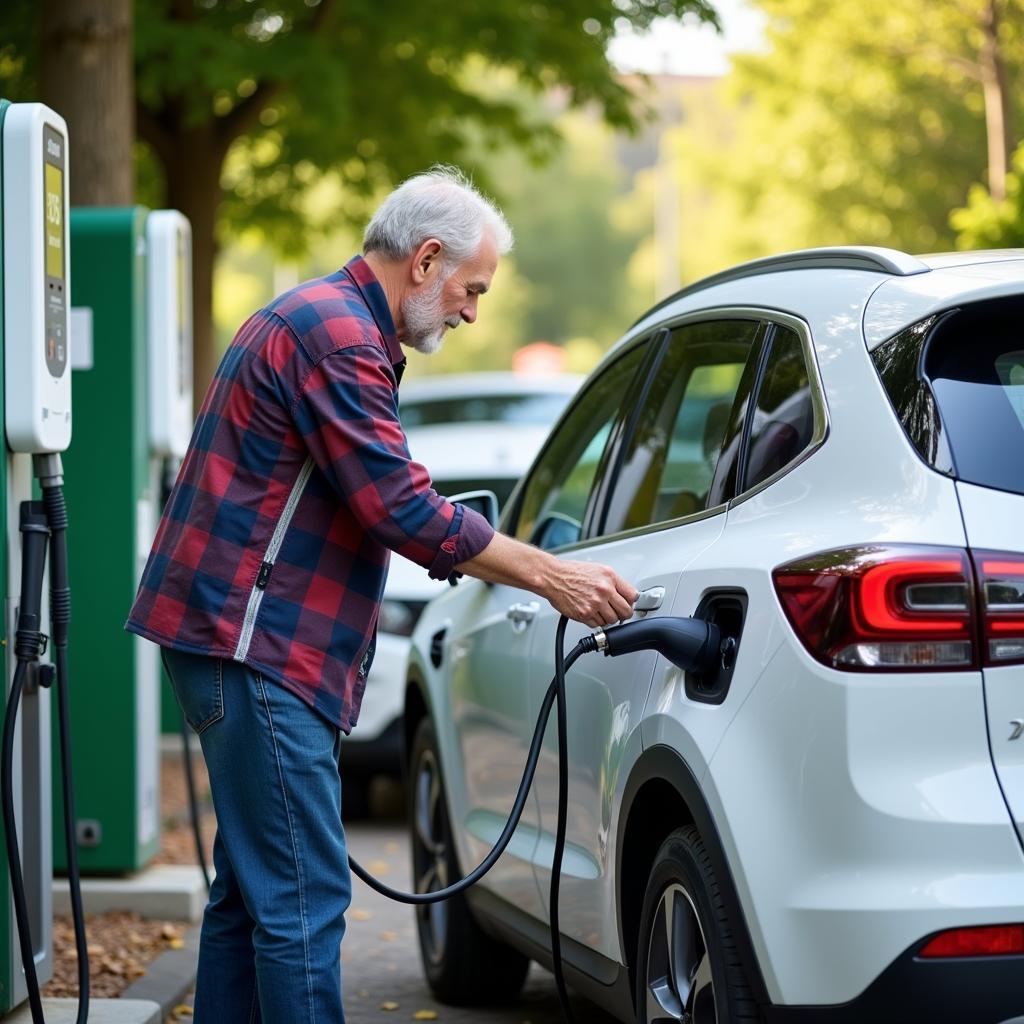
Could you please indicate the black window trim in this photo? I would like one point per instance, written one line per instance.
(509, 521)
(627, 428)
(771, 329)
(777, 318)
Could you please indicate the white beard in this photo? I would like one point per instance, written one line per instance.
(424, 322)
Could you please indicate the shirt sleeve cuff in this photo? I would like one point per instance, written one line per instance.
(469, 534)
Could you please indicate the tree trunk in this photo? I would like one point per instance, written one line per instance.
(193, 187)
(998, 112)
(87, 75)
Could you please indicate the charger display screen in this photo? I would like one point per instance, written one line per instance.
(54, 220)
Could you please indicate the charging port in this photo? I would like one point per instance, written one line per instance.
(727, 609)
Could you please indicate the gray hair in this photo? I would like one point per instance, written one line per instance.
(441, 203)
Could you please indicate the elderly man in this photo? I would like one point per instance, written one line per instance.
(265, 579)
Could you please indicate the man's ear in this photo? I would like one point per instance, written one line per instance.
(426, 260)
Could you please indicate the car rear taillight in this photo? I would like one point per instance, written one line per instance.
(990, 940)
(883, 608)
(1001, 585)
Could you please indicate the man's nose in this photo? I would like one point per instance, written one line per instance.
(468, 312)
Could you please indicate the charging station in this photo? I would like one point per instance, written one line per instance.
(133, 394)
(169, 240)
(34, 284)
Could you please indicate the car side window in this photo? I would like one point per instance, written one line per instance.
(783, 421)
(556, 493)
(669, 461)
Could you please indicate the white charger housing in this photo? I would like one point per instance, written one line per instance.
(169, 288)
(37, 280)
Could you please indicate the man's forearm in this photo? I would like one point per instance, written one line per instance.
(585, 591)
(513, 563)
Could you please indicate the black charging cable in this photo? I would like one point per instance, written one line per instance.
(29, 644)
(44, 524)
(193, 802)
(690, 644)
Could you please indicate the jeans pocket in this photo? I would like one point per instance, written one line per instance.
(198, 684)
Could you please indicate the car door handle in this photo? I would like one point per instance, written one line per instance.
(649, 599)
(522, 614)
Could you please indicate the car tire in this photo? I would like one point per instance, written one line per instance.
(702, 978)
(355, 795)
(464, 966)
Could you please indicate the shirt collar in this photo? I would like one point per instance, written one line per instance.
(358, 270)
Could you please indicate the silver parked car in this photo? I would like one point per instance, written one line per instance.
(823, 454)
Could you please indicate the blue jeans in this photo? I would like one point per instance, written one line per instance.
(270, 947)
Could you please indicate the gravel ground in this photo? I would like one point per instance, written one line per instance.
(120, 946)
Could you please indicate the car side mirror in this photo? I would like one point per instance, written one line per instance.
(484, 502)
(556, 530)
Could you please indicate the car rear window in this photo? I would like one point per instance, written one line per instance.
(535, 410)
(957, 384)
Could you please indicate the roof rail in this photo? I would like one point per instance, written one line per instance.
(854, 257)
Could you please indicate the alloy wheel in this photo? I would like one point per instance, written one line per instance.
(430, 854)
(678, 983)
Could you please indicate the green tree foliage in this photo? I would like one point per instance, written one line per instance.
(565, 281)
(988, 223)
(246, 104)
(573, 237)
(859, 123)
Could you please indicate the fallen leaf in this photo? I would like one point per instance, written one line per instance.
(379, 867)
(360, 915)
(424, 1015)
(389, 1005)
(391, 847)
(183, 1011)
(169, 931)
(389, 936)
(176, 943)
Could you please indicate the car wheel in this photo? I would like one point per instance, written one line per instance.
(688, 967)
(464, 965)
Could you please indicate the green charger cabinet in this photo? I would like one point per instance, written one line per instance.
(113, 490)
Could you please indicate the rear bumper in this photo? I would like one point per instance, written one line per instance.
(982, 990)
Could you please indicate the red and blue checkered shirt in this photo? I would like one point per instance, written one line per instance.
(274, 544)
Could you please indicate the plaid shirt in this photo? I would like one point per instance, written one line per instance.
(274, 544)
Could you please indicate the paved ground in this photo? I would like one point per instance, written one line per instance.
(380, 955)
(382, 977)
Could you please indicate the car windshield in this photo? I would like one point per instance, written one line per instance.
(535, 409)
(975, 364)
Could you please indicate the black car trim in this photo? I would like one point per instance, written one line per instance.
(755, 391)
(626, 428)
(660, 762)
(911, 990)
(602, 981)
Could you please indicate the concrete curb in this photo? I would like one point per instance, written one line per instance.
(169, 977)
(101, 1011)
(165, 891)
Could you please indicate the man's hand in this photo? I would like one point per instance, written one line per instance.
(591, 593)
(588, 592)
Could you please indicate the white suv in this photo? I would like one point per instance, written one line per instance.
(823, 453)
(472, 431)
